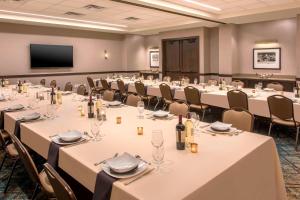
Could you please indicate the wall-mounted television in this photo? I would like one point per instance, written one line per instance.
(48, 56)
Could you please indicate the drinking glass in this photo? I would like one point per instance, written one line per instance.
(50, 111)
(158, 152)
(95, 130)
(141, 108)
(195, 81)
(195, 119)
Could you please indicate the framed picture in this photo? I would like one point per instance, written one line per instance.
(154, 58)
(267, 58)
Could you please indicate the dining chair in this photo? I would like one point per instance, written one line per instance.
(132, 100)
(276, 86)
(179, 109)
(166, 95)
(142, 92)
(237, 99)
(193, 99)
(104, 84)
(239, 118)
(167, 79)
(68, 87)
(11, 153)
(281, 111)
(40, 179)
(122, 90)
(93, 88)
(108, 95)
(53, 83)
(43, 82)
(61, 189)
(81, 90)
(237, 83)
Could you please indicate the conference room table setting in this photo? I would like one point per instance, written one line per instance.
(219, 166)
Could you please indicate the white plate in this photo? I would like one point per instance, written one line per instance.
(230, 130)
(70, 136)
(160, 113)
(31, 116)
(59, 141)
(124, 163)
(114, 103)
(140, 169)
(252, 95)
(219, 126)
(269, 89)
(15, 107)
(66, 92)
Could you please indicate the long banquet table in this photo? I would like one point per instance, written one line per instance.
(245, 166)
(214, 97)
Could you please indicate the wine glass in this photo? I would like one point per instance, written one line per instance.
(95, 129)
(141, 108)
(195, 81)
(50, 111)
(158, 152)
(195, 119)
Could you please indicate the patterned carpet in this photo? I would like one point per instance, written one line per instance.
(22, 188)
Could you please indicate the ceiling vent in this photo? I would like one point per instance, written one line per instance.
(74, 14)
(132, 18)
(93, 7)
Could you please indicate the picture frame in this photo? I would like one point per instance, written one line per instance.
(267, 58)
(154, 59)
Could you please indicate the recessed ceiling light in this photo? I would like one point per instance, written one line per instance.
(93, 7)
(203, 5)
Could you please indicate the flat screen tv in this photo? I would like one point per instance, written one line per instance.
(48, 56)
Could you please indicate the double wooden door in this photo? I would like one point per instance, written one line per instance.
(181, 57)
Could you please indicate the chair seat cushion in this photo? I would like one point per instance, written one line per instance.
(46, 183)
(198, 107)
(285, 122)
(11, 150)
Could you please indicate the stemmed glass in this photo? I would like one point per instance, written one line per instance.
(195, 81)
(141, 108)
(95, 129)
(158, 152)
(195, 119)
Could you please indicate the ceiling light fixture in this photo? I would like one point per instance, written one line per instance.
(203, 5)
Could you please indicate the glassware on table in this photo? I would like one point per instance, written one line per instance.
(195, 81)
(141, 108)
(51, 111)
(95, 130)
(158, 151)
(195, 119)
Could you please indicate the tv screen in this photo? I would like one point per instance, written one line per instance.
(51, 56)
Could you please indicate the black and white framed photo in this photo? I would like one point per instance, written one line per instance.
(154, 58)
(267, 58)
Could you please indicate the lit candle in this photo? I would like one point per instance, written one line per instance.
(119, 120)
(194, 147)
(140, 130)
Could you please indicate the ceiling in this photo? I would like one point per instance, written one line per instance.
(110, 15)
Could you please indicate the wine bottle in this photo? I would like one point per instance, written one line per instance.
(189, 135)
(19, 87)
(180, 135)
(53, 96)
(91, 108)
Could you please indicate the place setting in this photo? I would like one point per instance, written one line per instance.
(221, 128)
(161, 115)
(70, 137)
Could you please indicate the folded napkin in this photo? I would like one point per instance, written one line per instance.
(53, 154)
(103, 186)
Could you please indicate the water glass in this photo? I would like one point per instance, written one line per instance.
(158, 152)
(195, 81)
(141, 108)
(95, 130)
(51, 111)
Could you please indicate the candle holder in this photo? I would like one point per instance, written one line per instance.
(194, 147)
(140, 130)
(119, 120)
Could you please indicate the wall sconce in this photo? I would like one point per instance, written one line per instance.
(105, 55)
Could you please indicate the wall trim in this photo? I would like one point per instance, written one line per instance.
(215, 74)
(64, 74)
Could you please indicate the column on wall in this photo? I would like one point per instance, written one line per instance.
(228, 58)
(298, 47)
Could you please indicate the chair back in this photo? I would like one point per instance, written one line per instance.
(237, 83)
(43, 82)
(108, 95)
(26, 160)
(121, 86)
(166, 91)
(192, 95)
(281, 107)
(179, 109)
(167, 79)
(61, 189)
(90, 82)
(105, 84)
(53, 83)
(239, 118)
(276, 86)
(132, 100)
(237, 99)
(68, 86)
(81, 90)
(140, 88)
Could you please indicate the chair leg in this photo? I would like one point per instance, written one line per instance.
(158, 101)
(35, 192)
(203, 114)
(11, 173)
(270, 128)
(4, 158)
(297, 138)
